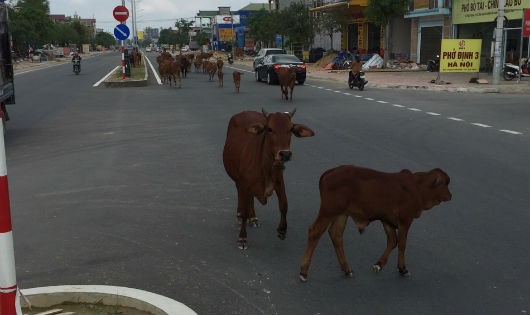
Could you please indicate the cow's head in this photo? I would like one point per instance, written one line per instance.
(278, 130)
(434, 187)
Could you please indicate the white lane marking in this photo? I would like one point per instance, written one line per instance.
(154, 71)
(511, 132)
(481, 125)
(419, 110)
(105, 77)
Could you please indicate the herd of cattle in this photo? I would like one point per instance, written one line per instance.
(173, 68)
(256, 149)
(258, 146)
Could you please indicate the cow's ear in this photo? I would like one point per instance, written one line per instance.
(256, 129)
(302, 131)
(440, 177)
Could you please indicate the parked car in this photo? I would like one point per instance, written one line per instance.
(268, 69)
(148, 49)
(265, 52)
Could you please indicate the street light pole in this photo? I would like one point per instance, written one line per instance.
(498, 57)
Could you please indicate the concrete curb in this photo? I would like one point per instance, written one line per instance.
(127, 83)
(109, 295)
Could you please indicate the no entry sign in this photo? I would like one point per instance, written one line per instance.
(120, 13)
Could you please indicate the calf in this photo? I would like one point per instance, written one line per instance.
(237, 79)
(366, 195)
(256, 149)
(287, 80)
(220, 75)
(211, 68)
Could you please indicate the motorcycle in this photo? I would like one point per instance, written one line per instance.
(77, 66)
(512, 71)
(358, 80)
(433, 64)
(230, 58)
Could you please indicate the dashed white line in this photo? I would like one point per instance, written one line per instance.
(481, 125)
(511, 132)
(419, 110)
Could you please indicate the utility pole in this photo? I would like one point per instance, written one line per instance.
(498, 56)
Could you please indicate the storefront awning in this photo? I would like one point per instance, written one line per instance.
(330, 6)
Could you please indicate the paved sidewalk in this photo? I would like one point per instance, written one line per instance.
(424, 80)
(419, 80)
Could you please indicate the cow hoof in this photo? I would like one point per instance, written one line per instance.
(242, 244)
(282, 235)
(253, 222)
(348, 274)
(303, 277)
(376, 268)
(404, 273)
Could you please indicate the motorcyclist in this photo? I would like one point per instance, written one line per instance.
(356, 68)
(76, 58)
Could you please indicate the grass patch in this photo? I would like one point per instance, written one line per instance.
(137, 73)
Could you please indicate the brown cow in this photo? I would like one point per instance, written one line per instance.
(366, 195)
(220, 64)
(287, 80)
(237, 79)
(257, 146)
(220, 75)
(211, 68)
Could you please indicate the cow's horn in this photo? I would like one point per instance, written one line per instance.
(291, 114)
(264, 112)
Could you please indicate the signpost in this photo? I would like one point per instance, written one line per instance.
(121, 31)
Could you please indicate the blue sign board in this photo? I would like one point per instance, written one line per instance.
(121, 31)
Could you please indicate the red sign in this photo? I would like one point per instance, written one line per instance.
(120, 13)
(526, 23)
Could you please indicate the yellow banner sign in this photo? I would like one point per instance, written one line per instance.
(225, 34)
(460, 55)
(478, 11)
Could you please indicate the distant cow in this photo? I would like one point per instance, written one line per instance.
(237, 79)
(220, 76)
(211, 68)
(257, 146)
(220, 64)
(287, 80)
(366, 195)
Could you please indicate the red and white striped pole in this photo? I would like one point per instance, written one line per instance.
(122, 61)
(9, 300)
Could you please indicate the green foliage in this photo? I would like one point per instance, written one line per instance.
(297, 23)
(294, 22)
(31, 25)
(182, 33)
(202, 38)
(380, 12)
(167, 36)
(105, 39)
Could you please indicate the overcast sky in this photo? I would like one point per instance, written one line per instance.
(153, 13)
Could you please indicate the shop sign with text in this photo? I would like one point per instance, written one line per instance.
(460, 55)
(478, 11)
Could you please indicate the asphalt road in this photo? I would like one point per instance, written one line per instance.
(126, 187)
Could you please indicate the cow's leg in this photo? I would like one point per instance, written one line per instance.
(402, 244)
(313, 236)
(244, 200)
(292, 93)
(279, 188)
(336, 233)
(391, 243)
(252, 218)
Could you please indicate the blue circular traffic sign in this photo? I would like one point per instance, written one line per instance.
(121, 31)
